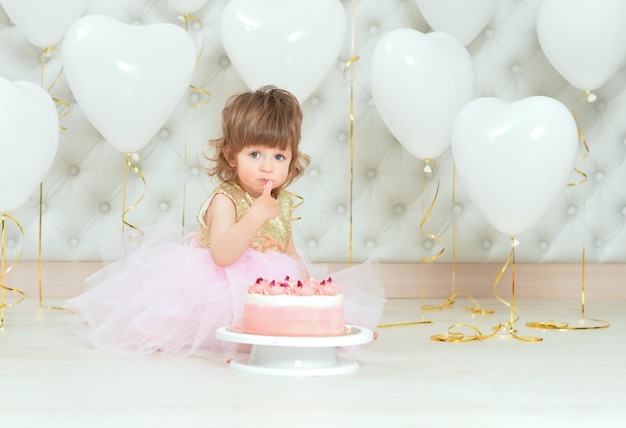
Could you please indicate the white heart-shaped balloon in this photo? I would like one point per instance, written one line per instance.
(419, 84)
(461, 18)
(127, 79)
(29, 138)
(585, 41)
(44, 22)
(290, 44)
(514, 158)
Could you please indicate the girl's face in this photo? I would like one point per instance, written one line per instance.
(256, 165)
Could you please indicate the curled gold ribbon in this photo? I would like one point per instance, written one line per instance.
(65, 105)
(3, 286)
(202, 91)
(301, 201)
(454, 336)
(583, 324)
(130, 165)
(430, 163)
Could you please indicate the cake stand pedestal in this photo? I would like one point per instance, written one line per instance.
(296, 356)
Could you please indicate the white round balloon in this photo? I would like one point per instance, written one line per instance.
(29, 138)
(127, 79)
(419, 84)
(514, 158)
(291, 44)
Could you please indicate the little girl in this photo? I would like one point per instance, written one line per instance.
(170, 295)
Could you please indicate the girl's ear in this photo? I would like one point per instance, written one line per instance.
(229, 156)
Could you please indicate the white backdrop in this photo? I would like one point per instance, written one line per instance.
(82, 193)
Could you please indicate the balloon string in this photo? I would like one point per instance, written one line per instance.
(130, 165)
(64, 112)
(427, 168)
(454, 336)
(301, 201)
(3, 286)
(477, 309)
(65, 105)
(202, 91)
(583, 325)
(349, 66)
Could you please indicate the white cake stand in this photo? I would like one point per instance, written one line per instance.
(295, 356)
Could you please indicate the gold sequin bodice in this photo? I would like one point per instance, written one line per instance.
(275, 233)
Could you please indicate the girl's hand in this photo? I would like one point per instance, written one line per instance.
(265, 207)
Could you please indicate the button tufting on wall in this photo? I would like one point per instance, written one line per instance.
(196, 26)
(194, 170)
(105, 207)
(370, 245)
(599, 176)
(428, 244)
(314, 172)
(371, 173)
(224, 61)
(458, 209)
(73, 242)
(399, 209)
(624, 211)
(164, 206)
(543, 245)
(194, 98)
(136, 21)
(164, 133)
(515, 69)
(371, 102)
(341, 209)
(342, 136)
(488, 33)
(599, 243)
(486, 245)
(10, 243)
(311, 243)
(571, 210)
(44, 207)
(73, 170)
(315, 101)
(601, 105)
(373, 29)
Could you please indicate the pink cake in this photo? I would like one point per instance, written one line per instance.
(293, 308)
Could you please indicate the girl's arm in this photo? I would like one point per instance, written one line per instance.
(230, 238)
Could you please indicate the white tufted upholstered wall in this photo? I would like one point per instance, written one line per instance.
(82, 193)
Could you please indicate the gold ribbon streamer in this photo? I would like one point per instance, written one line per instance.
(189, 17)
(559, 325)
(44, 53)
(429, 163)
(202, 91)
(130, 165)
(349, 66)
(300, 198)
(3, 286)
(64, 112)
(453, 336)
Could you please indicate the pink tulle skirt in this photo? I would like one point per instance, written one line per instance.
(166, 295)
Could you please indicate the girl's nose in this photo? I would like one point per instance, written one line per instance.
(267, 165)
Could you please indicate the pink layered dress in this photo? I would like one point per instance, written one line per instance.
(161, 292)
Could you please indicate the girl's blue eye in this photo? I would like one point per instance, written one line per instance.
(255, 154)
(280, 157)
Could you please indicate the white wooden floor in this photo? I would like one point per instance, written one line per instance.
(49, 378)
